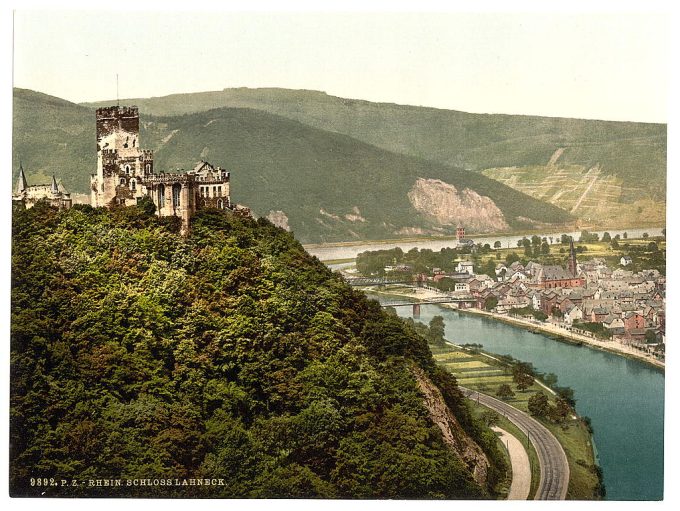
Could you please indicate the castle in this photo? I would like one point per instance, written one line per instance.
(55, 194)
(125, 173)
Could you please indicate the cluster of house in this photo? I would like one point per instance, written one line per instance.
(627, 304)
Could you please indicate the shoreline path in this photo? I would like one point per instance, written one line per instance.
(554, 467)
(521, 467)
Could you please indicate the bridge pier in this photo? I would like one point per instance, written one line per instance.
(416, 310)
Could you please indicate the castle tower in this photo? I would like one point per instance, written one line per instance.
(460, 233)
(121, 164)
(22, 184)
(572, 258)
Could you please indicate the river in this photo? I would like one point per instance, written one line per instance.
(624, 398)
(331, 251)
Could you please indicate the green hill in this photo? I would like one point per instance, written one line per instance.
(325, 186)
(230, 356)
(53, 136)
(633, 152)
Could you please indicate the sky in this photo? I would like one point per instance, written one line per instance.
(606, 65)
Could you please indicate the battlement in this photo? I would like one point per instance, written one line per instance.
(115, 112)
(169, 178)
(147, 154)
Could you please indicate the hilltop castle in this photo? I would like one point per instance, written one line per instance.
(125, 173)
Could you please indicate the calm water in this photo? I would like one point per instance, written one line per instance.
(330, 252)
(623, 398)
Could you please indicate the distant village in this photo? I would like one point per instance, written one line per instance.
(588, 297)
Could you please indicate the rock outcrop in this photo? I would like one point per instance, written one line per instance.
(452, 432)
(443, 204)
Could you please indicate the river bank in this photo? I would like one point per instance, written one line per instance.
(349, 250)
(554, 331)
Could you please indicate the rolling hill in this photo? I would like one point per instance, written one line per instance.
(325, 186)
(634, 153)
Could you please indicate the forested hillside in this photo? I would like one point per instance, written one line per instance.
(230, 354)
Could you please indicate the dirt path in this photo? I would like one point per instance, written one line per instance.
(521, 469)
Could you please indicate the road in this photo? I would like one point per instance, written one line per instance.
(551, 457)
(521, 467)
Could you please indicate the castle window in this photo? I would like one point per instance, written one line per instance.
(122, 181)
(148, 167)
(219, 191)
(214, 191)
(220, 204)
(161, 196)
(133, 185)
(176, 188)
(127, 169)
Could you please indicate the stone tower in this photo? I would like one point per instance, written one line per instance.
(572, 258)
(122, 165)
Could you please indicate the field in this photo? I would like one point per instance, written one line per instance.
(588, 193)
(481, 372)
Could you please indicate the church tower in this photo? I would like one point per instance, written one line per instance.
(121, 164)
(572, 258)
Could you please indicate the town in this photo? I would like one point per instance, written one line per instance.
(616, 300)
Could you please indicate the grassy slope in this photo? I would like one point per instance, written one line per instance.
(474, 141)
(278, 164)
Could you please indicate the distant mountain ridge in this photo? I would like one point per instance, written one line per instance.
(629, 150)
(325, 186)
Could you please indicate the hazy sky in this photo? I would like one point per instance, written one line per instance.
(605, 66)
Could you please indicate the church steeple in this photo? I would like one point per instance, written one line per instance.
(21, 181)
(55, 187)
(572, 257)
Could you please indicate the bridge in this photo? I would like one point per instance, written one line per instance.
(376, 281)
(462, 301)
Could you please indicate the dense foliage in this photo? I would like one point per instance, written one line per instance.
(232, 354)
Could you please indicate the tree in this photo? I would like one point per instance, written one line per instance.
(505, 392)
(561, 410)
(565, 239)
(511, 258)
(436, 335)
(545, 248)
(615, 244)
(491, 303)
(650, 337)
(490, 418)
(538, 405)
(550, 379)
(606, 237)
(645, 235)
(496, 244)
(523, 381)
(625, 235)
